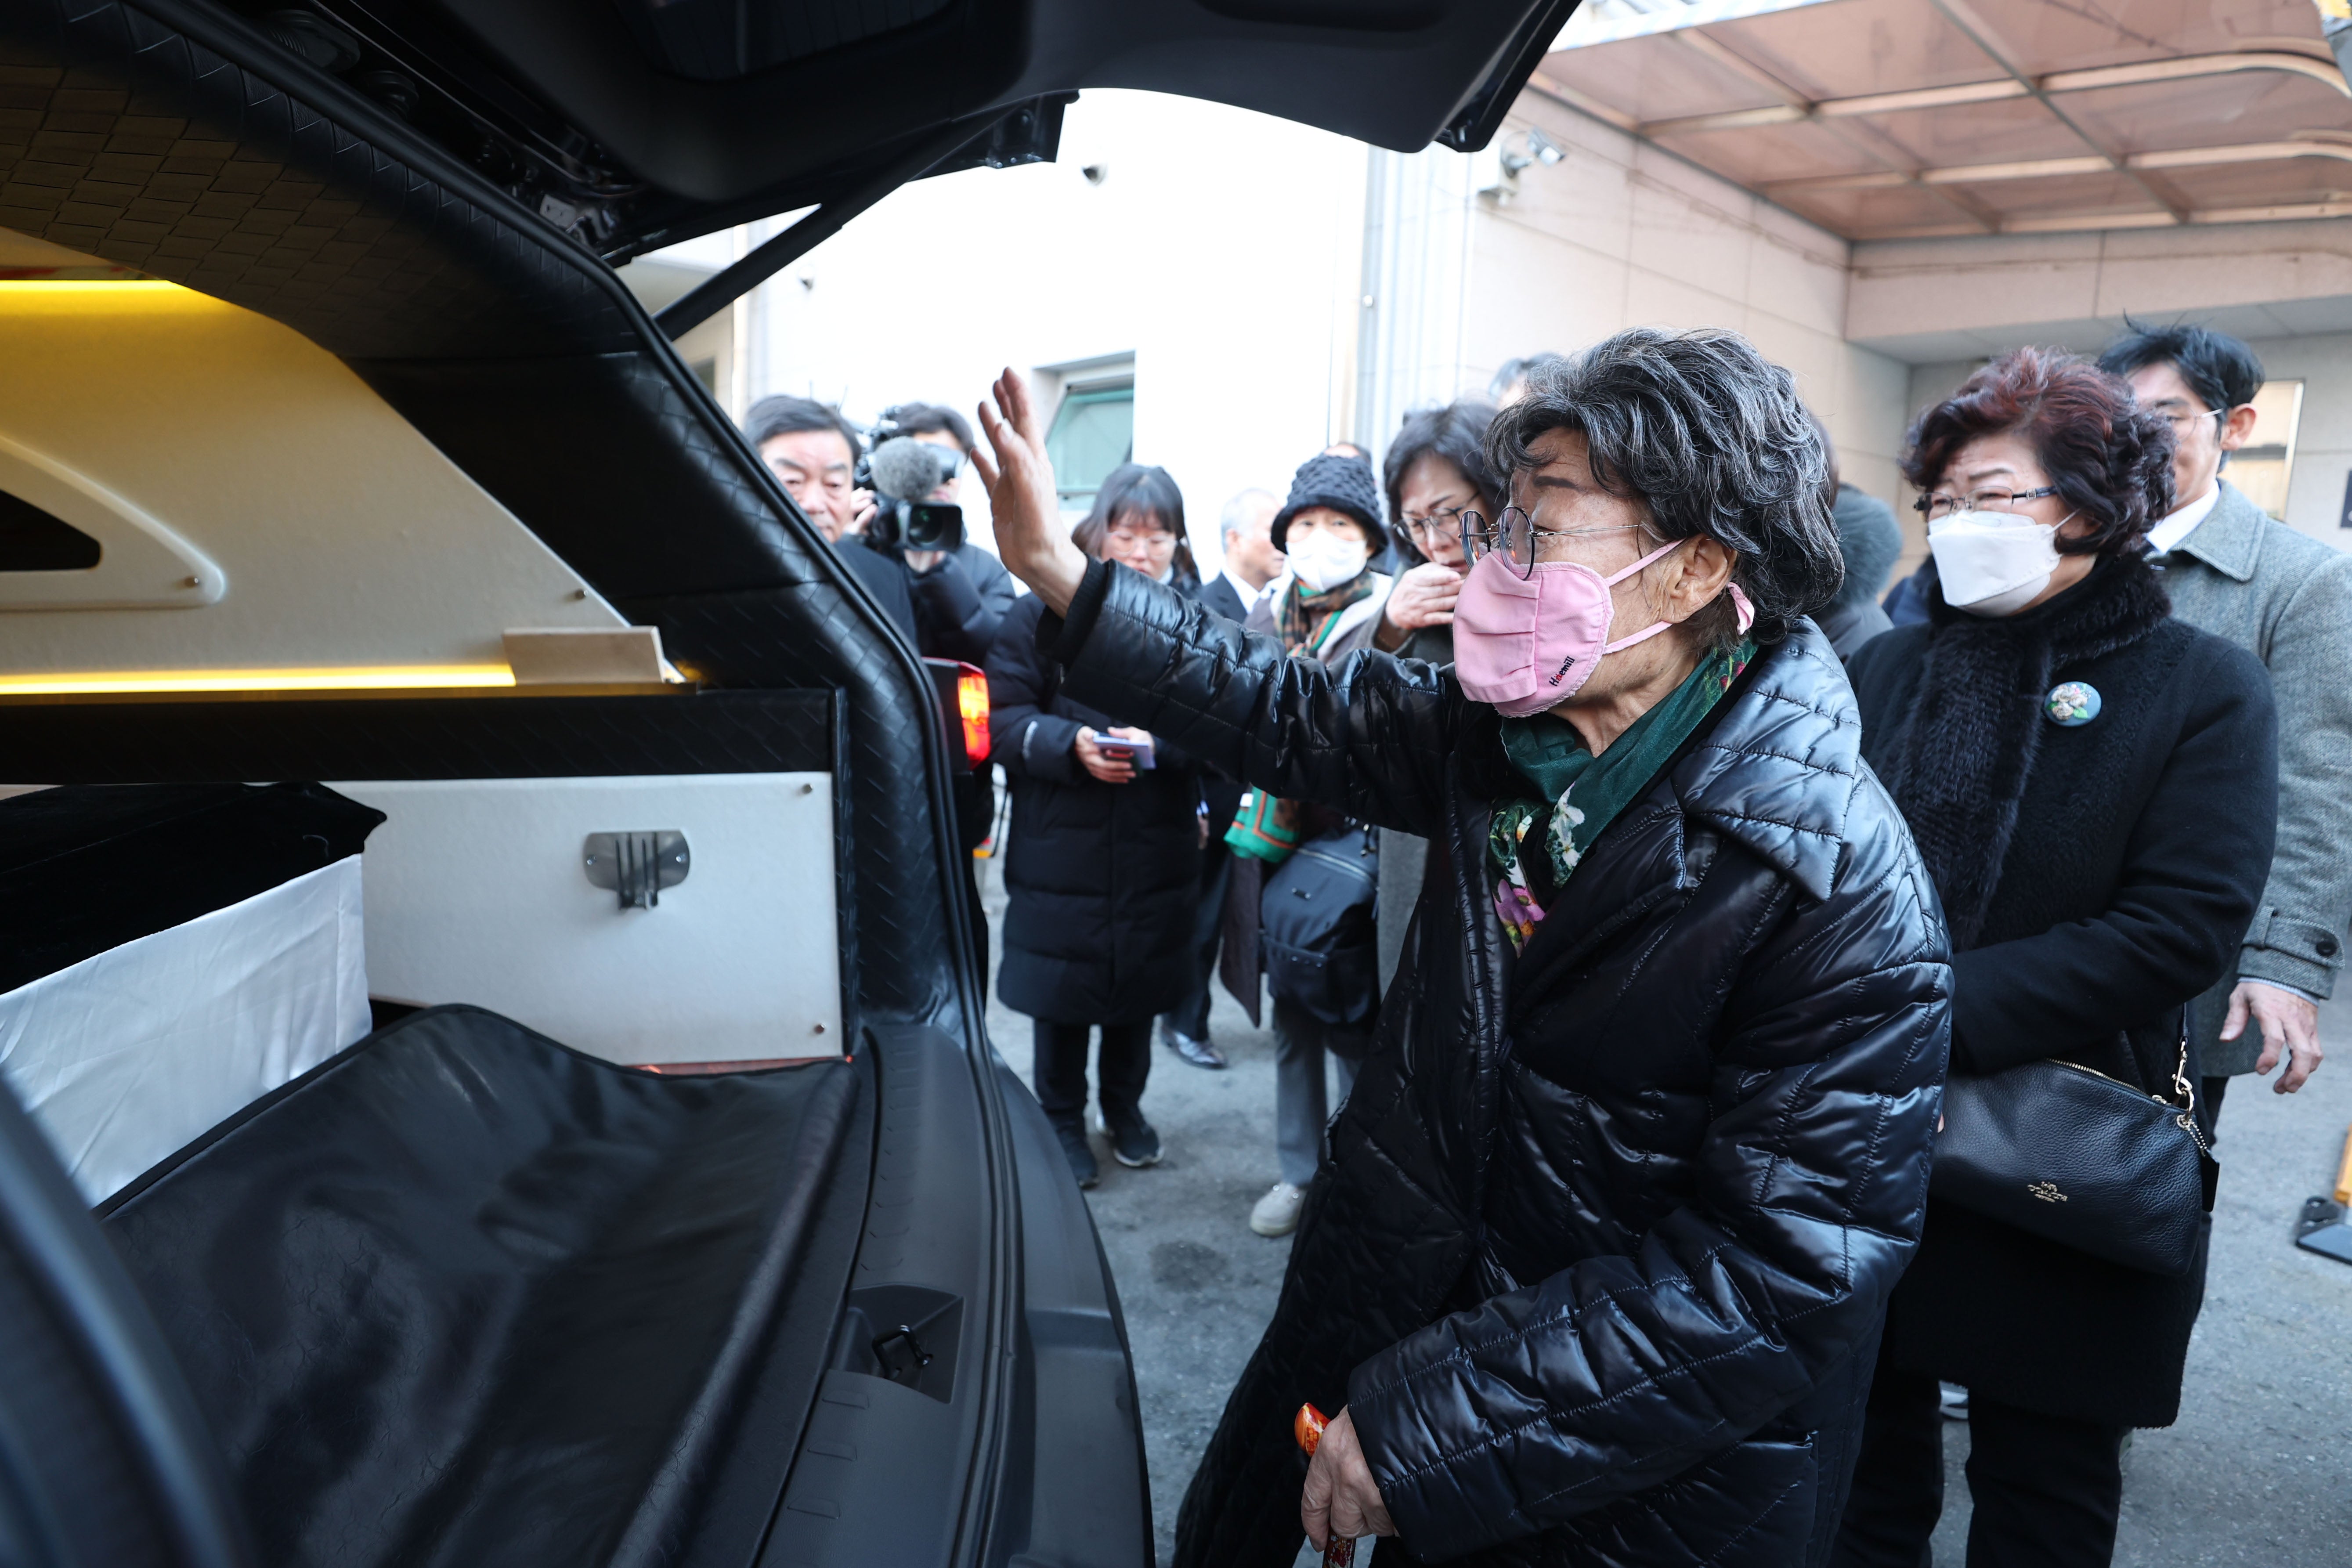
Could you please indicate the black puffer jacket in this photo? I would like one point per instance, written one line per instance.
(1601, 1252)
(1103, 880)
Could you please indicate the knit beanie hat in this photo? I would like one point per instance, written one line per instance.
(1343, 484)
(1871, 540)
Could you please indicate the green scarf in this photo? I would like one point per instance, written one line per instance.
(1580, 794)
(1304, 620)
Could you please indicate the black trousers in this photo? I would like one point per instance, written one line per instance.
(2043, 1491)
(1060, 1067)
(1208, 927)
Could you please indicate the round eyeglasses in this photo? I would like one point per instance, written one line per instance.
(1516, 538)
(1939, 507)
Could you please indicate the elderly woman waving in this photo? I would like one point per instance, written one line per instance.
(1594, 1267)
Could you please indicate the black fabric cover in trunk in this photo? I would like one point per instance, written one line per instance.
(462, 1296)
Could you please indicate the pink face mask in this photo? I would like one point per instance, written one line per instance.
(1526, 644)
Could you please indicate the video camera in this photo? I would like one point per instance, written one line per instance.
(902, 472)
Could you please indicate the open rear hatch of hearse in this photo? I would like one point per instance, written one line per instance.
(334, 452)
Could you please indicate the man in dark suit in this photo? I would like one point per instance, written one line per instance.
(1251, 563)
(812, 451)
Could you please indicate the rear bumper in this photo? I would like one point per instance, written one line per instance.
(1073, 1487)
(1006, 1434)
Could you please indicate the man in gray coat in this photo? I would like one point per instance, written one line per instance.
(2287, 599)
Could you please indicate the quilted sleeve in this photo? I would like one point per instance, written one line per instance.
(1369, 739)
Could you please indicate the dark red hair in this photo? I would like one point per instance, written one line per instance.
(2111, 462)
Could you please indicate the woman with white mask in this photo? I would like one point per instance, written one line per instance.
(1592, 1268)
(1325, 607)
(2091, 784)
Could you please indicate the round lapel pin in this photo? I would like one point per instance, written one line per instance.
(2072, 703)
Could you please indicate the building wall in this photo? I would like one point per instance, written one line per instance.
(2286, 288)
(1218, 248)
(1619, 234)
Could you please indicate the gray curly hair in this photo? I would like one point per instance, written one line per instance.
(1710, 436)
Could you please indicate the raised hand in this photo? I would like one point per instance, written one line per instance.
(1026, 511)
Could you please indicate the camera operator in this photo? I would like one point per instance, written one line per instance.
(961, 594)
(814, 453)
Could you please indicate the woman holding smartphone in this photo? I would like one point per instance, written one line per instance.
(1103, 872)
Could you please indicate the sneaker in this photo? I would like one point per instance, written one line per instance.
(1075, 1150)
(1132, 1141)
(1199, 1052)
(1952, 1400)
(1276, 1214)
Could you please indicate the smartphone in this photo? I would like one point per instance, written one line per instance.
(1137, 751)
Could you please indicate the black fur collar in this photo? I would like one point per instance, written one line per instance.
(1976, 722)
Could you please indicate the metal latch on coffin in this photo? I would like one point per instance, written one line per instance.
(636, 866)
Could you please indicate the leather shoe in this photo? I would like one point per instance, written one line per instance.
(1200, 1053)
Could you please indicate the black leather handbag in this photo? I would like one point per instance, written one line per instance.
(2081, 1159)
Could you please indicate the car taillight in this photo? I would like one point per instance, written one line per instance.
(963, 691)
(971, 704)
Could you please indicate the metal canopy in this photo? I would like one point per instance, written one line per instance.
(1907, 118)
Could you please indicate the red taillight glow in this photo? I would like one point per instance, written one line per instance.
(971, 704)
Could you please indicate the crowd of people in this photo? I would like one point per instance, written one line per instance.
(1730, 1013)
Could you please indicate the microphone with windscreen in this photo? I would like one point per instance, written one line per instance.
(905, 471)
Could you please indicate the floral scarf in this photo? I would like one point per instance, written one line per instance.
(1579, 794)
(1304, 621)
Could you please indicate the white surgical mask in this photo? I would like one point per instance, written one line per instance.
(1994, 563)
(1324, 561)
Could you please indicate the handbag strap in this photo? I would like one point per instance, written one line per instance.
(2185, 1092)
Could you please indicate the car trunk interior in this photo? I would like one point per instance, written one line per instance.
(339, 454)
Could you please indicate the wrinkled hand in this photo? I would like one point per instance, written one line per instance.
(1101, 764)
(1022, 502)
(2290, 1025)
(1341, 1497)
(1424, 598)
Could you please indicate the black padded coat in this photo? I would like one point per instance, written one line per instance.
(1600, 1253)
(2136, 853)
(1102, 881)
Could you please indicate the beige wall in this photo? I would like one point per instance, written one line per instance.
(1929, 300)
(1618, 234)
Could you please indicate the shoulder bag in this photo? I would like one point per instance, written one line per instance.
(1316, 927)
(2081, 1159)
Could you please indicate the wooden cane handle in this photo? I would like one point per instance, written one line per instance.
(1308, 1427)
